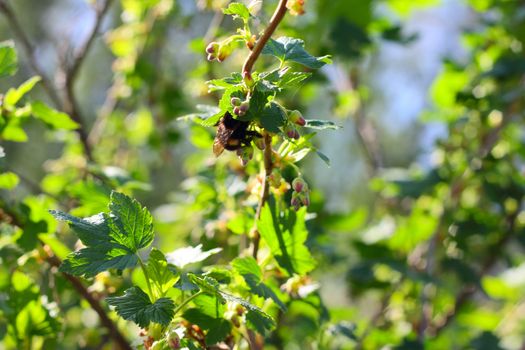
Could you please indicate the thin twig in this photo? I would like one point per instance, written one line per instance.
(277, 17)
(70, 102)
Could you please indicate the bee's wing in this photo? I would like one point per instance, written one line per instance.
(221, 138)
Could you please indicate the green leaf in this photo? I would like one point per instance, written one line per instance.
(251, 272)
(323, 157)
(292, 49)
(204, 113)
(159, 272)
(13, 95)
(136, 306)
(256, 318)
(224, 83)
(8, 180)
(8, 58)
(52, 117)
(190, 255)
(112, 241)
(321, 124)
(217, 328)
(272, 118)
(285, 235)
(238, 10)
(131, 224)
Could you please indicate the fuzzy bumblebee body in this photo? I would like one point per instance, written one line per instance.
(232, 135)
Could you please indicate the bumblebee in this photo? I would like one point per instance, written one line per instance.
(232, 135)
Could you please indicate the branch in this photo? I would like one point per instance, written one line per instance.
(277, 17)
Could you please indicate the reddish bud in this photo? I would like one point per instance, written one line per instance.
(296, 201)
(297, 118)
(211, 57)
(305, 199)
(237, 111)
(212, 47)
(299, 185)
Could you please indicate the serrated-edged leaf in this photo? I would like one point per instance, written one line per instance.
(205, 284)
(13, 95)
(285, 235)
(8, 58)
(112, 241)
(292, 49)
(91, 231)
(251, 272)
(161, 275)
(136, 306)
(256, 319)
(238, 10)
(321, 124)
(91, 261)
(272, 118)
(131, 225)
(52, 117)
(190, 255)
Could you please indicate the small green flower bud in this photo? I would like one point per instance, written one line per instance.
(244, 106)
(235, 101)
(297, 118)
(245, 154)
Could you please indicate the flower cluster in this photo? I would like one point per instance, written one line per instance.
(301, 193)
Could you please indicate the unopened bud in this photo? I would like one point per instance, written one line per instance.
(174, 340)
(235, 101)
(251, 42)
(212, 47)
(211, 57)
(244, 106)
(245, 154)
(296, 202)
(305, 199)
(297, 118)
(237, 111)
(299, 185)
(296, 7)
